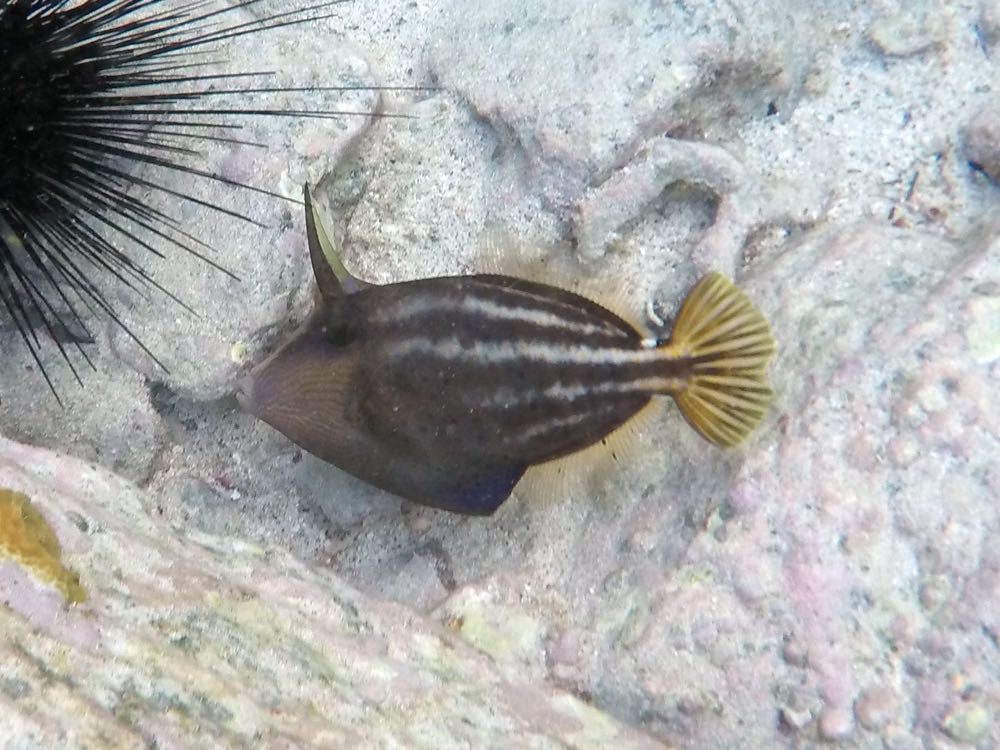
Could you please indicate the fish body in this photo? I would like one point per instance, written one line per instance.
(445, 390)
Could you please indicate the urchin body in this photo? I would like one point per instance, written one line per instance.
(90, 91)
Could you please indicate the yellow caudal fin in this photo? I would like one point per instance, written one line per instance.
(729, 344)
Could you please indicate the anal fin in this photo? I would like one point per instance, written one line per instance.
(589, 472)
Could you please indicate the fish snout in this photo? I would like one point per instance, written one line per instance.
(244, 392)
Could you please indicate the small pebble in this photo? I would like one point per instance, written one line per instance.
(794, 653)
(836, 724)
(903, 450)
(238, 352)
(876, 708)
(982, 333)
(417, 522)
(982, 141)
(934, 592)
(901, 632)
(968, 722)
(932, 397)
(642, 541)
(795, 719)
(915, 30)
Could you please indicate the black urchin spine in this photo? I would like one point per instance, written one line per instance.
(86, 89)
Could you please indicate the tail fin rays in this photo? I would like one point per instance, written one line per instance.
(729, 345)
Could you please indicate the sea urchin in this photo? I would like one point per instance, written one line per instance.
(89, 89)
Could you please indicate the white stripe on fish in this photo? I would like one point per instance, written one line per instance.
(450, 349)
(494, 311)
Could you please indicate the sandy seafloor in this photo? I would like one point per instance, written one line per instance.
(834, 580)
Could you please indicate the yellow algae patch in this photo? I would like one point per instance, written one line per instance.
(26, 538)
(238, 352)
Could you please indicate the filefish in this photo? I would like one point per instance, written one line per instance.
(445, 390)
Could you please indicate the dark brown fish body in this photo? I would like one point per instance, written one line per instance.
(424, 386)
(445, 390)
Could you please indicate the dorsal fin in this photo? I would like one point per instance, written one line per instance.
(332, 277)
(555, 264)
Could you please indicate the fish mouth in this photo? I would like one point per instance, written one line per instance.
(244, 393)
